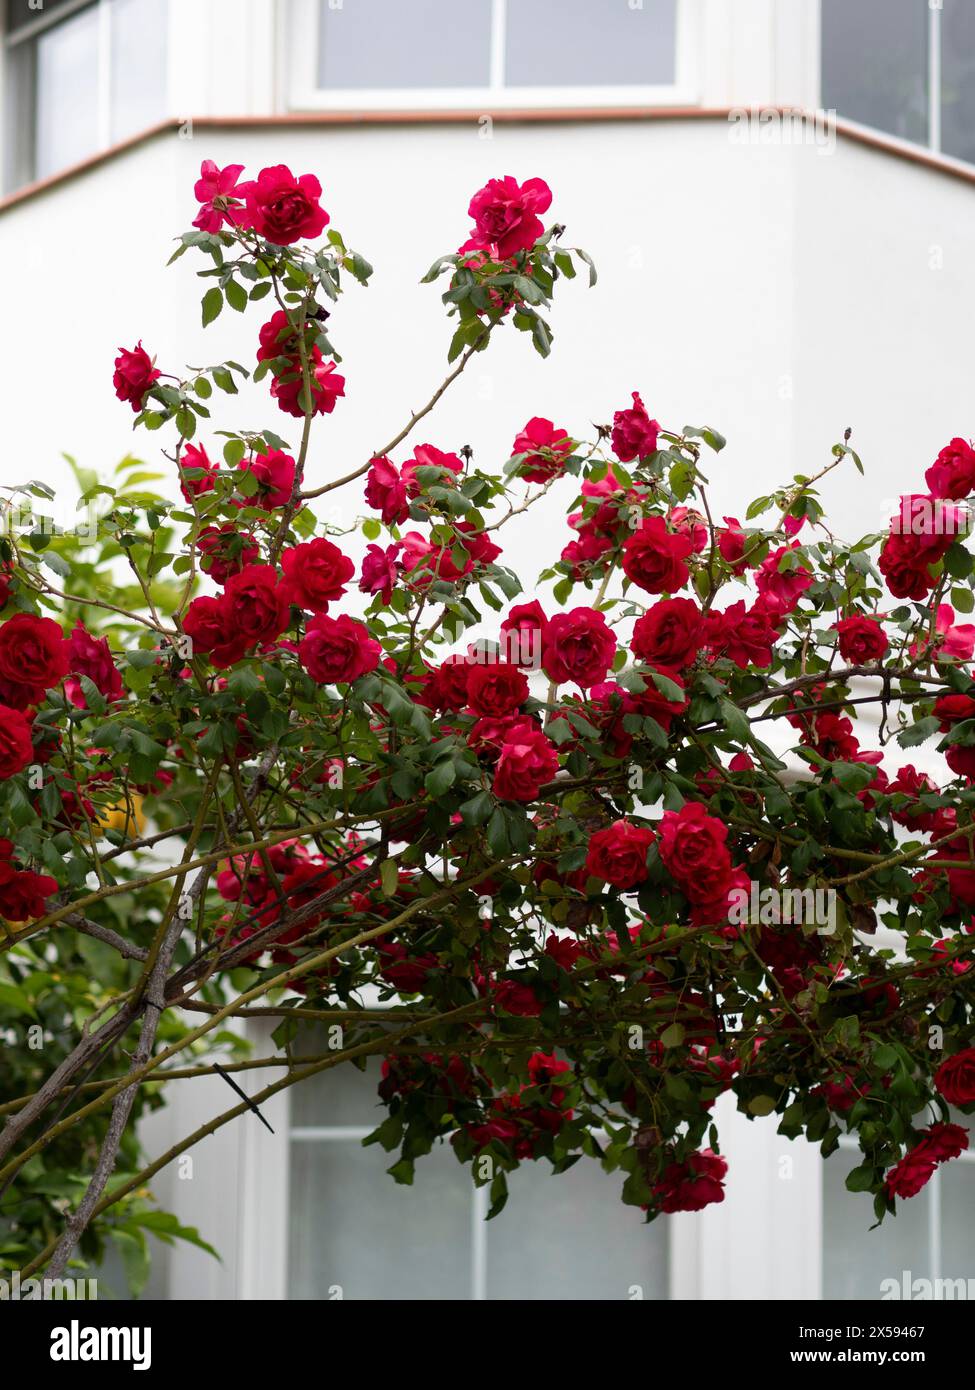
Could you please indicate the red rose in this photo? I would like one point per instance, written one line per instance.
(407, 974)
(225, 551)
(953, 709)
(337, 649)
(386, 492)
(732, 545)
(744, 636)
(380, 571)
(277, 338)
(861, 639)
(283, 208)
(256, 605)
(913, 545)
(496, 689)
(217, 190)
(694, 853)
(585, 553)
(943, 1141)
(781, 588)
(526, 762)
(429, 456)
(634, 433)
(669, 634)
(937, 1144)
(16, 746)
(952, 475)
(955, 1078)
(23, 894)
(578, 647)
(34, 656)
(206, 624)
(693, 1184)
(274, 473)
(907, 1177)
(134, 374)
(653, 557)
(315, 573)
(326, 385)
(524, 633)
(477, 543)
(445, 686)
(546, 447)
(91, 656)
(196, 459)
(514, 998)
(618, 854)
(505, 214)
(496, 1131)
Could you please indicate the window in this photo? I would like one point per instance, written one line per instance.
(471, 53)
(930, 1238)
(79, 77)
(352, 1228)
(903, 66)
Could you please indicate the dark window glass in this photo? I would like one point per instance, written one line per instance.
(21, 12)
(875, 64)
(590, 43)
(958, 79)
(404, 43)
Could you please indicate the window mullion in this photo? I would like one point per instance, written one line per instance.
(499, 28)
(934, 75)
(104, 74)
(479, 1237)
(934, 1226)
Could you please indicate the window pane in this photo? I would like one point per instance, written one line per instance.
(958, 1217)
(353, 1226)
(139, 42)
(590, 43)
(856, 1259)
(571, 1237)
(67, 93)
(958, 79)
(343, 1095)
(875, 62)
(404, 43)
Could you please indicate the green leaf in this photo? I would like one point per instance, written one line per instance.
(389, 877)
(212, 304)
(236, 296)
(441, 778)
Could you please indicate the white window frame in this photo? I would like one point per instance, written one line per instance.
(43, 23)
(305, 95)
(934, 76)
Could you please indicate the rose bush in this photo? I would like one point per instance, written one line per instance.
(247, 758)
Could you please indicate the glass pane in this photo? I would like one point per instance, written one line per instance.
(353, 1226)
(392, 43)
(856, 1260)
(590, 43)
(958, 1219)
(958, 79)
(341, 1096)
(67, 93)
(139, 42)
(570, 1237)
(875, 63)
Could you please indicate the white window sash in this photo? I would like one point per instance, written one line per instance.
(304, 94)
